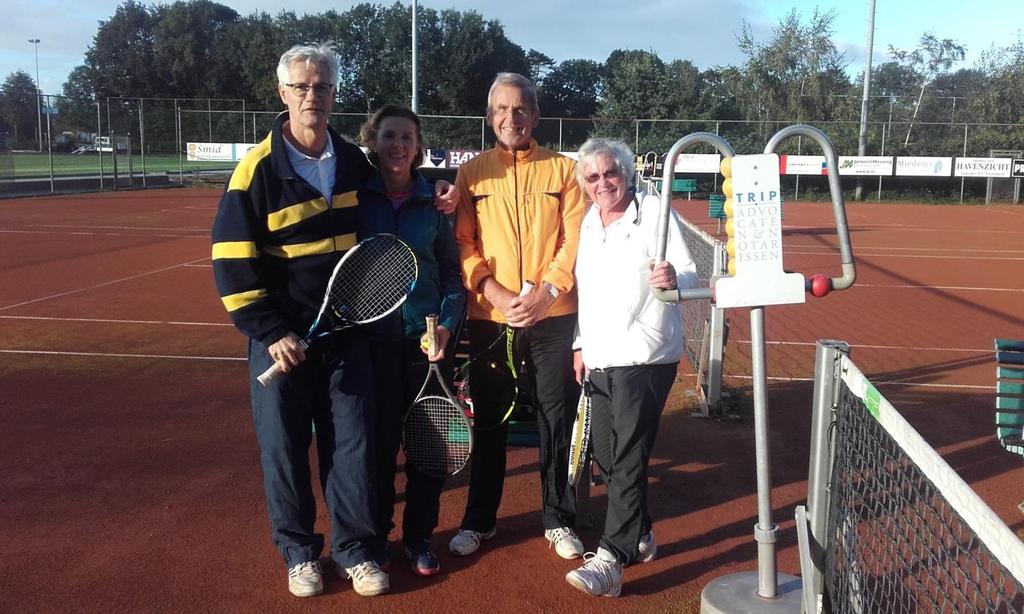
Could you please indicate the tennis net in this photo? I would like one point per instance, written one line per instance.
(907, 534)
(703, 323)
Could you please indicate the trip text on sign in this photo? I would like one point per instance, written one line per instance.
(750, 197)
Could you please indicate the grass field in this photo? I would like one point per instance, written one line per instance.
(38, 164)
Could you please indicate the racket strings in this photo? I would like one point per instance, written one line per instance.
(437, 436)
(372, 279)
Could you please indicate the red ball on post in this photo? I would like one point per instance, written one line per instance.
(820, 285)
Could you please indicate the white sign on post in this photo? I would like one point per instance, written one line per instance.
(757, 224)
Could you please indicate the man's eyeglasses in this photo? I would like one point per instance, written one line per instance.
(321, 90)
(607, 176)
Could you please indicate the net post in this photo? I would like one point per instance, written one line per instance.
(716, 350)
(827, 360)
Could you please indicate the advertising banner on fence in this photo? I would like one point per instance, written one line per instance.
(457, 157)
(243, 148)
(802, 165)
(210, 152)
(865, 165)
(434, 158)
(982, 167)
(698, 163)
(923, 167)
(216, 152)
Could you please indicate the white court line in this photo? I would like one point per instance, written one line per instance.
(903, 227)
(876, 383)
(109, 321)
(106, 283)
(928, 287)
(914, 249)
(860, 253)
(875, 347)
(102, 234)
(112, 355)
(186, 229)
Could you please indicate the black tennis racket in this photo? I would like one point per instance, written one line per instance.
(370, 281)
(436, 434)
(579, 444)
(491, 378)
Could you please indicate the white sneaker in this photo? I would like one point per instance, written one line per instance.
(647, 549)
(467, 542)
(600, 575)
(368, 579)
(306, 579)
(567, 544)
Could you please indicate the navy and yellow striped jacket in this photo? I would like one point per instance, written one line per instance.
(276, 239)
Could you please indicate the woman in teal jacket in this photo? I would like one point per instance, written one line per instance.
(399, 200)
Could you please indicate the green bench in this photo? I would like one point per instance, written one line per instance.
(716, 209)
(681, 185)
(1010, 394)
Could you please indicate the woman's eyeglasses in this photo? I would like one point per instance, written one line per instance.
(607, 176)
(321, 90)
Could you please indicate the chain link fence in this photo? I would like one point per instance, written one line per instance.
(63, 144)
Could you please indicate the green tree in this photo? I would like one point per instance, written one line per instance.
(246, 56)
(122, 57)
(374, 43)
(571, 89)
(797, 75)
(540, 65)
(18, 111)
(77, 105)
(932, 57)
(184, 40)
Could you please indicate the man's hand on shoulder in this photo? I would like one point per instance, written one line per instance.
(446, 197)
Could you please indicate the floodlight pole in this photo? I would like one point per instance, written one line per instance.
(415, 104)
(39, 99)
(862, 143)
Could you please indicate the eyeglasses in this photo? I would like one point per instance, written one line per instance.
(607, 176)
(321, 90)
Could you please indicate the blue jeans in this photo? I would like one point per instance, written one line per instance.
(331, 391)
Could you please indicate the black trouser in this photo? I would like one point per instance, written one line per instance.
(547, 349)
(399, 369)
(627, 403)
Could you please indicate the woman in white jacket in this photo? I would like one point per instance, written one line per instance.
(629, 343)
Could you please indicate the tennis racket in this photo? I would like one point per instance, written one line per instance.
(436, 434)
(492, 378)
(579, 444)
(369, 282)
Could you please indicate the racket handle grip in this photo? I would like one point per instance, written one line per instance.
(275, 369)
(527, 288)
(432, 334)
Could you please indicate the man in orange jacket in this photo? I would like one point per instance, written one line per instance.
(518, 221)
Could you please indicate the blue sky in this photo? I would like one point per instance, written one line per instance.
(703, 31)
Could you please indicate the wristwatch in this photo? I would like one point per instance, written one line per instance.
(553, 291)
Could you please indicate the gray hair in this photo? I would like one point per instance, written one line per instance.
(618, 151)
(518, 81)
(319, 55)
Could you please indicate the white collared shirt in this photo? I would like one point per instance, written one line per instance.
(621, 323)
(319, 171)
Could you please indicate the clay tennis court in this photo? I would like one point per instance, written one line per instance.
(131, 479)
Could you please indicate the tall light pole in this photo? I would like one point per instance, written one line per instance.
(415, 77)
(39, 104)
(862, 142)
